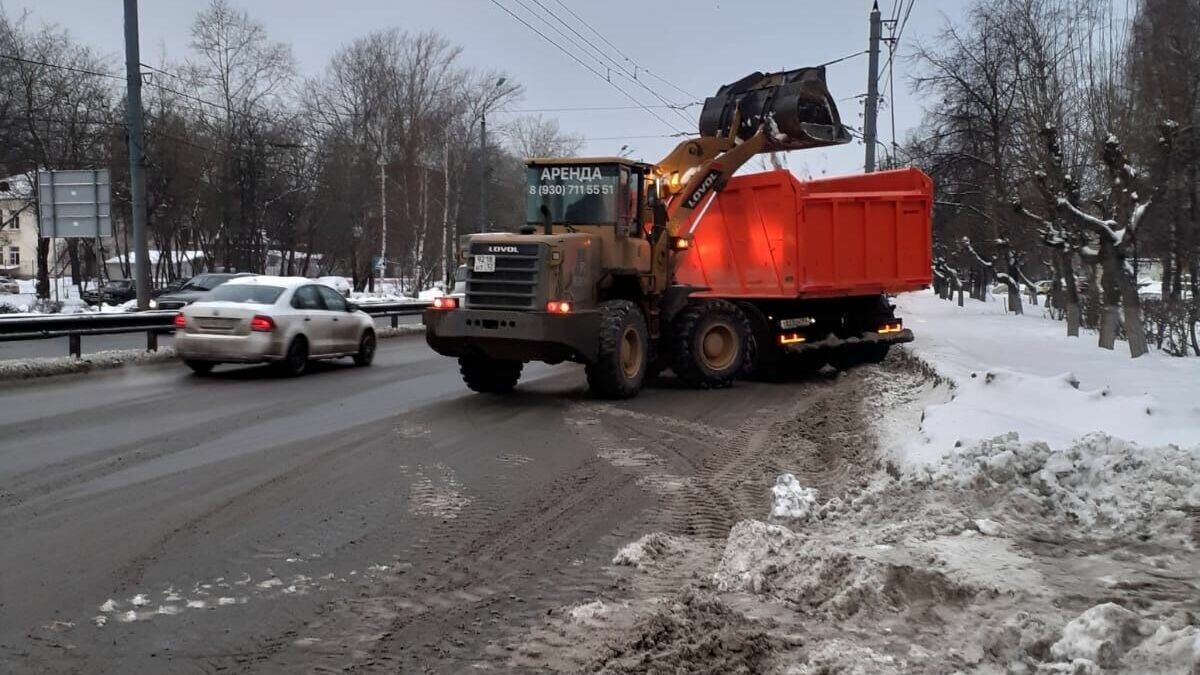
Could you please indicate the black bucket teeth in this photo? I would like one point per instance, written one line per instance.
(794, 106)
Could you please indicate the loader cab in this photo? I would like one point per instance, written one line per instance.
(586, 193)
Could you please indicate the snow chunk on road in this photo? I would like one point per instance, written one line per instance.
(1102, 635)
(793, 502)
(647, 551)
(590, 612)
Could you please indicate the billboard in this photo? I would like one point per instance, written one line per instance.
(74, 203)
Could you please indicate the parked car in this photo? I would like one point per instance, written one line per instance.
(195, 288)
(169, 288)
(114, 292)
(9, 286)
(284, 320)
(1045, 287)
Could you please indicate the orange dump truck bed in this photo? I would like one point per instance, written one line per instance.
(772, 236)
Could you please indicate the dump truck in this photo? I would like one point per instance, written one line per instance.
(633, 268)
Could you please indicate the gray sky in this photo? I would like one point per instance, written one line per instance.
(697, 45)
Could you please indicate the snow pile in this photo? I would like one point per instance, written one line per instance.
(694, 632)
(1023, 374)
(648, 550)
(63, 365)
(964, 540)
(1100, 485)
(430, 294)
(1110, 638)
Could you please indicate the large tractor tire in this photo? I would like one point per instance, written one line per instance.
(489, 376)
(622, 361)
(710, 342)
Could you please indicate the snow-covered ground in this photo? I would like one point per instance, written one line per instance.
(1018, 503)
(1023, 374)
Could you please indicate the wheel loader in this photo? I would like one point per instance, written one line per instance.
(633, 268)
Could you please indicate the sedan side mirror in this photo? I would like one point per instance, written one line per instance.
(351, 307)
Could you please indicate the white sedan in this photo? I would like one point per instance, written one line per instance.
(288, 321)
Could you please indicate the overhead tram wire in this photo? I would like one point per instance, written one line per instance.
(623, 54)
(575, 58)
(631, 76)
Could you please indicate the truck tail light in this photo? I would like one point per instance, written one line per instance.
(262, 324)
(891, 327)
(445, 303)
(180, 321)
(558, 307)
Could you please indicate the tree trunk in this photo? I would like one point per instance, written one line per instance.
(1110, 319)
(1092, 310)
(43, 273)
(1070, 292)
(1135, 329)
(1014, 299)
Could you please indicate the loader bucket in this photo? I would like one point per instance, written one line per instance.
(794, 105)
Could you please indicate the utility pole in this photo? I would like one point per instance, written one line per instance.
(137, 156)
(871, 111)
(482, 172)
(383, 215)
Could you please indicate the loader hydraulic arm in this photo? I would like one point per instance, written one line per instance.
(708, 163)
(771, 112)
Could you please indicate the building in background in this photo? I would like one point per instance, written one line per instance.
(18, 228)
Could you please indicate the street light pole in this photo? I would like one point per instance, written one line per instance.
(871, 109)
(482, 171)
(483, 162)
(137, 157)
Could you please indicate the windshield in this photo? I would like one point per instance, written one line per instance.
(574, 194)
(204, 282)
(245, 293)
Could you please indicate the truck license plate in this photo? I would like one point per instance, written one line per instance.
(485, 263)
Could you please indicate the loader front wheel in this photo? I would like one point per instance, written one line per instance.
(622, 359)
(710, 344)
(489, 376)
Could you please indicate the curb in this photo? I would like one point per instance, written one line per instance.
(49, 366)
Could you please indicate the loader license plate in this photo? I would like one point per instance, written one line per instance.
(485, 263)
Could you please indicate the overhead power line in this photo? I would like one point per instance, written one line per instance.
(604, 58)
(59, 66)
(601, 108)
(587, 67)
(622, 54)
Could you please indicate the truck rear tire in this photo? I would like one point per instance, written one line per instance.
(624, 351)
(764, 359)
(710, 342)
(489, 376)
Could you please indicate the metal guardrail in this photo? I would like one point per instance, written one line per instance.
(153, 323)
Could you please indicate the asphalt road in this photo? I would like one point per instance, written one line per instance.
(26, 349)
(364, 520)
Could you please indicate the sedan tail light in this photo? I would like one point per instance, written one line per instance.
(262, 324)
(180, 321)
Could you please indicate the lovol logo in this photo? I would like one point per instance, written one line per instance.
(705, 185)
(503, 249)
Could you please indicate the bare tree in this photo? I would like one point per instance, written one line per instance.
(536, 136)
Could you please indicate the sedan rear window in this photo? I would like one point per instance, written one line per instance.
(252, 295)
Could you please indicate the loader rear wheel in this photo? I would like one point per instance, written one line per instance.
(621, 361)
(489, 376)
(710, 344)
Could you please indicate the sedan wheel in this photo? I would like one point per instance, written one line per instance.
(296, 361)
(200, 367)
(366, 349)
